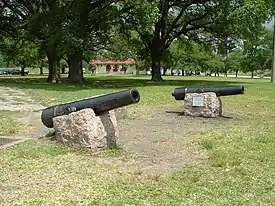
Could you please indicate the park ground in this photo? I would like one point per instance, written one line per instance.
(165, 158)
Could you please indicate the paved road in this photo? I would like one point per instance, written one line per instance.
(255, 77)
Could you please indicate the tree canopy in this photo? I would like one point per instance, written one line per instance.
(204, 35)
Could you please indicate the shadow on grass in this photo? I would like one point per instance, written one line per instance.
(181, 113)
(115, 82)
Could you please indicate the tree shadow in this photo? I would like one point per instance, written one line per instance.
(116, 82)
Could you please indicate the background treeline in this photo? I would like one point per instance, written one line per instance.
(211, 36)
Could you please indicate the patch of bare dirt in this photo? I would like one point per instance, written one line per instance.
(16, 100)
(29, 111)
(37, 128)
(166, 142)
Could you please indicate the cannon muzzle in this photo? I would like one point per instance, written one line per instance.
(179, 93)
(99, 104)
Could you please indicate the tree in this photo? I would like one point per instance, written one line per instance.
(63, 28)
(120, 46)
(213, 63)
(2, 62)
(272, 65)
(26, 18)
(188, 55)
(271, 14)
(19, 52)
(42, 60)
(257, 51)
(86, 27)
(160, 22)
(223, 35)
(234, 61)
(176, 56)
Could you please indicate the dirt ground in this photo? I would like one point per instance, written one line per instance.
(165, 142)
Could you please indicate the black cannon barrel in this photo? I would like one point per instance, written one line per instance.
(179, 93)
(99, 104)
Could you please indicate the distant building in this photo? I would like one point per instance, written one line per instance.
(113, 67)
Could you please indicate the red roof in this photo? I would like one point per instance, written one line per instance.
(105, 62)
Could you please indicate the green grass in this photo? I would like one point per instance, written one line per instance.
(152, 94)
(240, 169)
(8, 126)
(2, 99)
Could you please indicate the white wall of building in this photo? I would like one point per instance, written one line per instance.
(140, 72)
(101, 69)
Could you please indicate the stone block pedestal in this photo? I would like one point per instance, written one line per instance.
(202, 105)
(86, 130)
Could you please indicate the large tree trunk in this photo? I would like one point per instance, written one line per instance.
(172, 72)
(156, 54)
(53, 62)
(252, 75)
(226, 55)
(156, 74)
(182, 72)
(22, 72)
(237, 73)
(75, 68)
(58, 69)
(53, 71)
(164, 71)
(41, 70)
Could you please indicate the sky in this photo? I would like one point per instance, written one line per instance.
(270, 24)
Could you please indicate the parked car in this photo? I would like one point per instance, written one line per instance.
(15, 72)
(5, 72)
(12, 72)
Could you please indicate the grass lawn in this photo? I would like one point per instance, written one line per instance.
(240, 169)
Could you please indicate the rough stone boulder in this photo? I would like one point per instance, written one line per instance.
(86, 130)
(212, 106)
